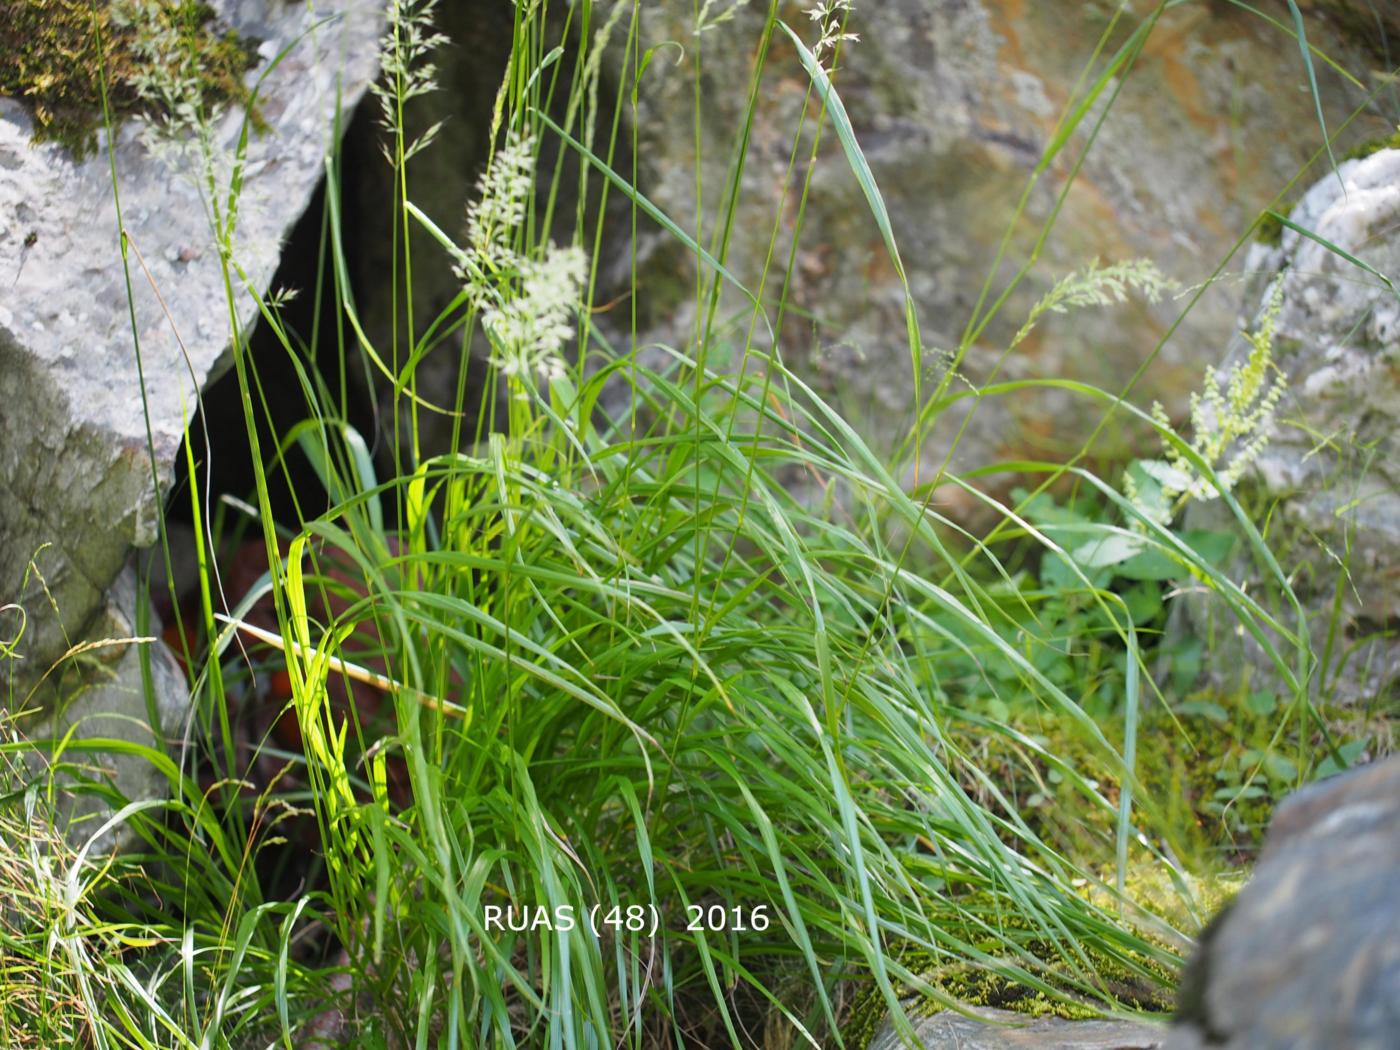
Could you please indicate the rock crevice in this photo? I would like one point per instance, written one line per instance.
(81, 449)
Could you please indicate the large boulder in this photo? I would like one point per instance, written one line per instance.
(953, 102)
(81, 450)
(1331, 472)
(1307, 957)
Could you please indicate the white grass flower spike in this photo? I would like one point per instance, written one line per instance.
(527, 302)
(830, 16)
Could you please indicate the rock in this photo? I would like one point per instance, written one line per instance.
(110, 701)
(952, 102)
(1332, 466)
(79, 453)
(1005, 1030)
(1307, 957)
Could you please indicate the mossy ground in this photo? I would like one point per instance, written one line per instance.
(52, 51)
(1207, 792)
(975, 986)
(1208, 773)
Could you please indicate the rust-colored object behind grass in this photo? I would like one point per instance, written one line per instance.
(263, 710)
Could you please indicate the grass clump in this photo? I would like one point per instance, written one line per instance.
(52, 54)
(603, 736)
(41, 1002)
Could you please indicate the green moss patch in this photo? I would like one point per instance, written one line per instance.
(52, 54)
(1365, 149)
(1269, 230)
(977, 986)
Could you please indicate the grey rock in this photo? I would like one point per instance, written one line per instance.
(952, 102)
(1307, 957)
(80, 453)
(1333, 463)
(110, 701)
(1005, 1030)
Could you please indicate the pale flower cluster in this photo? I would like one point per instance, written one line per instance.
(830, 16)
(405, 62)
(177, 125)
(529, 328)
(1231, 422)
(503, 193)
(1097, 285)
(169, 75)
(527, 303)
(712, 14)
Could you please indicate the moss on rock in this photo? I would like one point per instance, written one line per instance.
(52, 55)
(1370, 146)
(1269, 229)
(1145, 984)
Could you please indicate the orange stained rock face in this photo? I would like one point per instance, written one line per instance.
(1181, 42)
(1009, 16)
(1167, 46)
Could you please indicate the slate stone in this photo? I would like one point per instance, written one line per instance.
(1307, 957)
